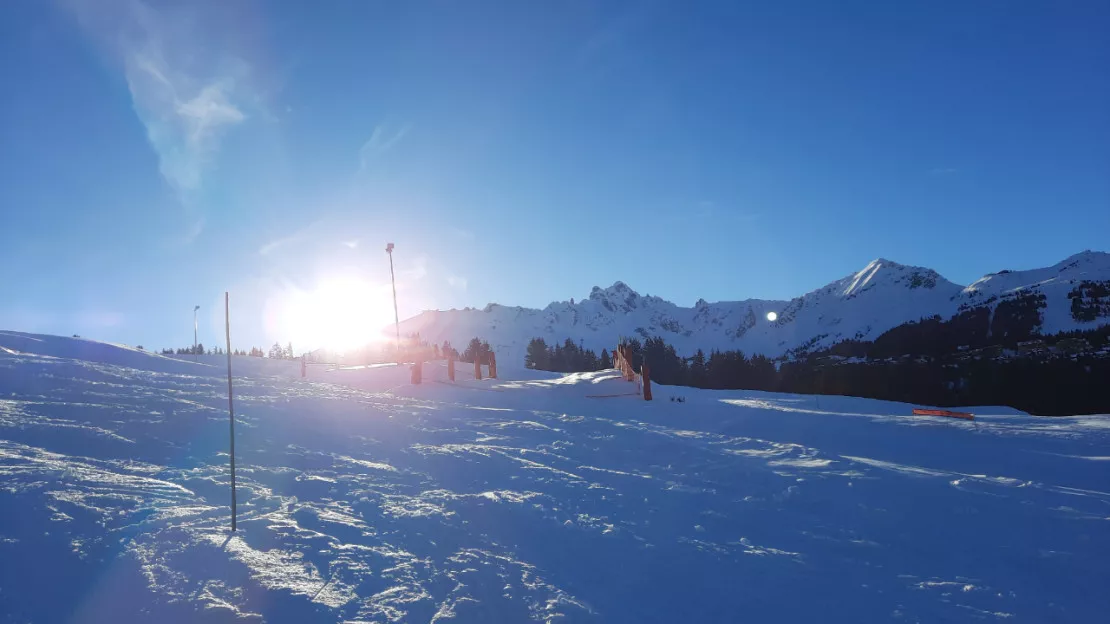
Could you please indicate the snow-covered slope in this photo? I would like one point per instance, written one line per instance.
(1055, 282)
(860, 306)
(363, 498)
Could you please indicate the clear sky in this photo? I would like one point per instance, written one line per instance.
(154, 155)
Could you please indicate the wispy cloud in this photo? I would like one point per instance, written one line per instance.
(276, 244)
(416, 270)
(317, 229)
(185, 89)
(942, 171)
(384, 138)
(457, 282)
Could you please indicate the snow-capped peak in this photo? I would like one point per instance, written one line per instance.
(618, 297)
(861, 306)
(883, 271)
(618, 289)
(1083, 261)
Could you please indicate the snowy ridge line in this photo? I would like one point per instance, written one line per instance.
(861, 306)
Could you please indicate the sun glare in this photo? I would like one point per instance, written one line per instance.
(772, 316)
(339, 314)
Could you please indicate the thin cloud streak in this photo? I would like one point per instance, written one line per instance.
(186, 96)
(457, 282)
(381, 141)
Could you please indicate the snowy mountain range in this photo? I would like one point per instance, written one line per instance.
(860, 306)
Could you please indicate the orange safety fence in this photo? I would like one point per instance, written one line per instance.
(622, 361)
(459, 369)
(945, 413)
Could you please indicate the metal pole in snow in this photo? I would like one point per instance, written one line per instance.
(393, 281)
(195, 308)
(230, 405)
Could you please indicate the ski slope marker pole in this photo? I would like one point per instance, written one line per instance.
(230, 404)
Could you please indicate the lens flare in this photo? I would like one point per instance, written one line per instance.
(772, 316)
(339, 313)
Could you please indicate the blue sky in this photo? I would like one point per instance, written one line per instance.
(154, 155)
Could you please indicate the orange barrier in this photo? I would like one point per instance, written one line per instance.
(945, 413)
(623, 363)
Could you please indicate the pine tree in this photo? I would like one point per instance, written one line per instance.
(535, 357)
(476, 351)
(698, 371)
(606, 363)
(590, 361)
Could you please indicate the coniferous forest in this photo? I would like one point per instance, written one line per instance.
(971, 359)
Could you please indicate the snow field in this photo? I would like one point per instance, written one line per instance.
(363, 498)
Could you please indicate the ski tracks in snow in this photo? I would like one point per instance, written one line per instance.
(532, 503)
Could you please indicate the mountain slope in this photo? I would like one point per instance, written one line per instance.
(1056, 283)
(860, 306)
(362, 498)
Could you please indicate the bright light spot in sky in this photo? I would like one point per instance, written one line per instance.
(338, 314)
(771, 316)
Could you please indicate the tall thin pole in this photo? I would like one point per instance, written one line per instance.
(195, 308)
(230, 405)
(393, 280)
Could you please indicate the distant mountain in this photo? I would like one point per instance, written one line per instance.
(1073, 294)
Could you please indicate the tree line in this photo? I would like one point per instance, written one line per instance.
(564, 358)
(200, 350)
(1054, 375)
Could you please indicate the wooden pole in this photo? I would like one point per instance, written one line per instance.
(478, 367)
(230, 403)
(645, 372)
(450, 367)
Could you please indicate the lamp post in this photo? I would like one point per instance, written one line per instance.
(393, 280)
(195, 332)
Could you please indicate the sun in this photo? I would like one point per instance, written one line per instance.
(772, 316)
(340, 313)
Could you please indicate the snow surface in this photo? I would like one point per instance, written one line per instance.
(363, 498)
(860, 306)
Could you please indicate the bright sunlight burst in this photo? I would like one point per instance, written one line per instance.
(341, 313)
(771, 316)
